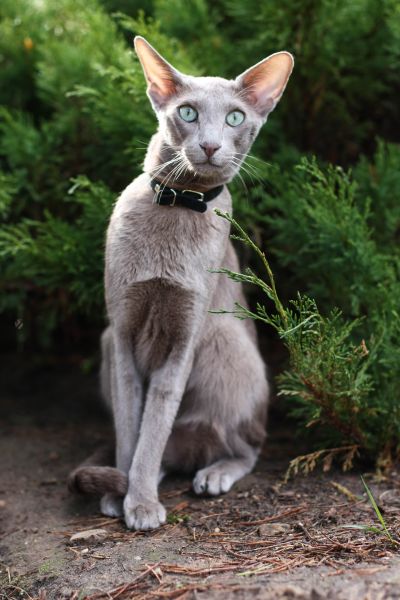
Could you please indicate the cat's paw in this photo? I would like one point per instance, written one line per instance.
(143, 514)
(111, 505)
(212, 481)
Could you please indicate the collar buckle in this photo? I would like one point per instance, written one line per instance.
(200, 194)
(157, 197)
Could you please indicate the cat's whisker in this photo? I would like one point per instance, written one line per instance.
(143, 147)
(185, 167)
(177, 173)
(240, 164)
(249, 170)
(187, 170)
(182, 170)
(253, 157)
(247, 173)
(164, 164)
(254, 178)
(252, 170)
(156, 171)
(246, 189)
(232, 161)
(246, 168)
(245, 158)
(172, 173)
(164, 182)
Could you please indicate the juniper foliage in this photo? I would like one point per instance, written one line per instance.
(332, 381)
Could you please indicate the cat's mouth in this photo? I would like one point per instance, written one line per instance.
(208, 163)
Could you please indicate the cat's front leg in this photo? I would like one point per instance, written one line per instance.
(142, 508)
(126, 401)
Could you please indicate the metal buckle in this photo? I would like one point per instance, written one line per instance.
(158, 189)
(201, 194)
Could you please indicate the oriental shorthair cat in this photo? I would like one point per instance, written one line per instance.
(187, 388)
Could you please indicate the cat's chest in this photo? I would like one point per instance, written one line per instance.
(171, 245)
(147, 241)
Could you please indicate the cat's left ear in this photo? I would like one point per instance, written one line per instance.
(162, 79)
(263, 85)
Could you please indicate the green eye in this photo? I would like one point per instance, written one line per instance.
(235, 118)
(188, 113)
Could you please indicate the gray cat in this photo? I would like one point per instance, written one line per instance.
(187, 388)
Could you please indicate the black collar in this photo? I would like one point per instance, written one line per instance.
(166, 196)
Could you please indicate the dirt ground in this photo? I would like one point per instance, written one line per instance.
(263, 540)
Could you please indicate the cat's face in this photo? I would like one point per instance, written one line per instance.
(212, 126)
(212, 122)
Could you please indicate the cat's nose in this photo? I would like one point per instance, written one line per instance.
(209, 149)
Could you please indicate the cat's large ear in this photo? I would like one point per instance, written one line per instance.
(162, 79)
(263, 85)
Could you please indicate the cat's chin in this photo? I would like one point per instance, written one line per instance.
(212, 174)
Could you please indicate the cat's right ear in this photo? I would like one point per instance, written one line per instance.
(162, 79)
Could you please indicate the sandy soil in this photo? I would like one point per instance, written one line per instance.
(263, 540)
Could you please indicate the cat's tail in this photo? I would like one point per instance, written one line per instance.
(98, 480)
(91, 477)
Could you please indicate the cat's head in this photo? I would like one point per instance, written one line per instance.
(211, 122)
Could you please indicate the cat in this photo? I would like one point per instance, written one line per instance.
(187, 388)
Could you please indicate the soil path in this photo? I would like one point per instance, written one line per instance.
(263, 540)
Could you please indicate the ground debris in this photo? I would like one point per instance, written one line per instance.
(212, 549)
(273, 529)
(89, 535)
(344, 490)
(230, 561)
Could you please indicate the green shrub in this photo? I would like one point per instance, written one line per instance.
(341, 377)
(325, 228)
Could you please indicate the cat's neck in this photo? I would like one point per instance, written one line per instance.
(161, 164)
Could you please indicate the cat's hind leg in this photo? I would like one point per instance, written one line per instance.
(219, 477)
(218, 459)
(230, 391)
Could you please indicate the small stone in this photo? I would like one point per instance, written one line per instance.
(89, 535)
(2, 503)
(217, 530)
(273, 529)
(137, 558)
(85, 551)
